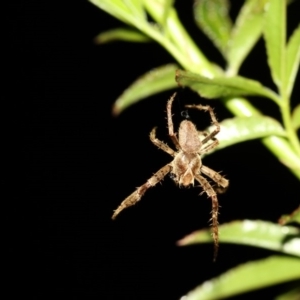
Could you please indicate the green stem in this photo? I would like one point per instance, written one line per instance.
(287, 121)
(174, 37)
(177, 41)
(196, 60)
(279, 146)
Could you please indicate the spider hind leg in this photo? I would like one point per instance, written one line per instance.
(137, 195)
(207, 188)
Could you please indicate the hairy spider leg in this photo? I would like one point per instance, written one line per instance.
(137, 195)
(213, 117)
(161, 145)
(170, 122)
(215, 176)
(215, 210)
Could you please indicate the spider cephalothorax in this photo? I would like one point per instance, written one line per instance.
(186, 166)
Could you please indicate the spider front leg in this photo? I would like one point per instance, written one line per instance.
(214, 121)
(170, 122)
(215, 210)
(137, 195)
(210, 146)
(160, 144)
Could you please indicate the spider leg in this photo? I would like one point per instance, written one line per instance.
(210, 146)
(215, 208)
(160, 144)
(214, 121)
(137, 195)
(215, 176)
(170, 122)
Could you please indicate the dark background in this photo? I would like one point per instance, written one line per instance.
(76, 163)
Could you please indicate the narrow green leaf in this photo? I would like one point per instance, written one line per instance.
(275, 38)
(293, 294)
(242, 129)
(160, 11)
(221, 87)
(293, 60)
(285, 239)
(121, 34)
(245, 33)
(154, 81)
(296, 117)
(293, 217)
(248, 277)
(168, 4)
(136, 7)
(212, 17)
(116, 8)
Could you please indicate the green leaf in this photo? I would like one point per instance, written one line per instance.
(118, 8)
(275, 38)
(168, 4)
(212, 17)
(293, 217)
(242, 129)
(154, 81)
(159, 10)
(136, 6)
(221, 87)
(248, 277)
(290, 295)
(245, 33)
(285, 239)
(296, 117)
(121, 34)
(293, 59)
(176, 41)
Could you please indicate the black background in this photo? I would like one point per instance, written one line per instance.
(76, 163)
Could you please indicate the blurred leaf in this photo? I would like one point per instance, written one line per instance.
(293, 59)
(275, 38)
(296, 117)
(242, 129)
(136, 6)
(245, 33)
(248, 277)
(168, 4)
(118, 8)
(212, 17)
(221, 87)
(121, 34)
(153, 82)
(158, 10)
(290, 295)
(285, 239)
(293, 217)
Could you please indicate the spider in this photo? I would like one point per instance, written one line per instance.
(186, 166)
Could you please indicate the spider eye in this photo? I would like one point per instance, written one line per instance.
(185, 114)
(172, 176)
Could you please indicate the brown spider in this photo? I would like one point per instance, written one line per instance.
(187, 164)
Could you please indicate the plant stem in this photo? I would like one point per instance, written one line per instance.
(174, 37)
(279, 146)
(287, 121)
